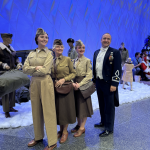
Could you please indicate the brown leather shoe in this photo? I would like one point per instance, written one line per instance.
(13, 110)
(75, 129)
(79, 133)
(59, 134)
(33, 142)
(7, 114)
(51, 147)
(63, 138)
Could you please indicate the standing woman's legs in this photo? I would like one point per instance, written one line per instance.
(64, 134)
(49, 112)
(37, 112)
(82, 127)
(65, 129)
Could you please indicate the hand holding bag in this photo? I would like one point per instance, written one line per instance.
(87, 89)
(66, 86)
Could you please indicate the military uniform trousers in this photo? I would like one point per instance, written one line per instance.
(106, 103)
(43, 108)
(8, 101)
(83, 106)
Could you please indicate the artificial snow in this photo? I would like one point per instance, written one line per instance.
(24, 115)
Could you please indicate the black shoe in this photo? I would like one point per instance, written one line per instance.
(105, 133)
(99, 125)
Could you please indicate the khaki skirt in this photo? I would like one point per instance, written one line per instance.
(65, 108)
(83, 106)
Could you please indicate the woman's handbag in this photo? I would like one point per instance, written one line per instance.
(66, 86)
(87, 89)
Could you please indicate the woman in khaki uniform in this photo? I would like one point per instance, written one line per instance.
(83, 75)
(127, 74)
(65, 103)
(38, 64)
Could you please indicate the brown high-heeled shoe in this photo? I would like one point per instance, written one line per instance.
(33, 142)
(79, 133)
(75, 129)
(63, 138)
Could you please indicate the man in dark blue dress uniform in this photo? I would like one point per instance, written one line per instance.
(106, 76)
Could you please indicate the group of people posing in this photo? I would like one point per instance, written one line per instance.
(53, 108)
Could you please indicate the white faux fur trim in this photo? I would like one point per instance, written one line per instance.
(2, 46)
(148, 76)
(147, 70)
(145, 63)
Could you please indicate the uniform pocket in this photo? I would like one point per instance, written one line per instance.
(31, 57)
(63, 65)
(42, 57)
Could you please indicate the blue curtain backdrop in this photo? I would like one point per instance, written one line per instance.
(127, 21)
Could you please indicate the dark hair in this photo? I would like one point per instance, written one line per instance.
(122, 43)
(36, 37)
(137, 53)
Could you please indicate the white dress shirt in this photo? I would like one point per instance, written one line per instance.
(99, 62)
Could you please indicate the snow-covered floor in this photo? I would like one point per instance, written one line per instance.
(24, 115)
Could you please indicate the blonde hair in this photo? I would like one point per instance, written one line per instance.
(78, 43)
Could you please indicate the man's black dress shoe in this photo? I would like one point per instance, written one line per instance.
(99, 125)
(105, 133)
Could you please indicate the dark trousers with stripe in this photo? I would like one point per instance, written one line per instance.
(106, 103)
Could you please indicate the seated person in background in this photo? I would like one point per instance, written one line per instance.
(142, 56)
(8, 61)
(145, 67)
(137, 63)
(145, 52)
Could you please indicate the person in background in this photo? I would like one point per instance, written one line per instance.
(145, 67)
(137, 63)
(8, 61)
(38, 65)
(124, 56)
(84, 108)
(145, 52)
(71, 52)
(63, 70)
(142, 55)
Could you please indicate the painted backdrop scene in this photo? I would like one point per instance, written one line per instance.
(127, 21)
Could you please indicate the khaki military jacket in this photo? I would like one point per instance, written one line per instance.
(65, 68)
(83, 68)
(38, 58)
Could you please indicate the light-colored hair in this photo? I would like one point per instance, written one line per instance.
(78, 43)
(57, 42)
(40, 31)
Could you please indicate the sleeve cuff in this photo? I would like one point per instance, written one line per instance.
(115, 83)
(80, 84)
(4, 65)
